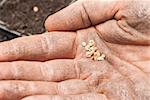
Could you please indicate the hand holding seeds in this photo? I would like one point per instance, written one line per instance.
(53, 66)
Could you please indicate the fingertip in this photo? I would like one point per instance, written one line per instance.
(67, 19)
(46, 23)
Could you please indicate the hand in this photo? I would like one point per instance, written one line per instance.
(53, 66)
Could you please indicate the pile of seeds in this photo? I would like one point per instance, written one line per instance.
(92, 51)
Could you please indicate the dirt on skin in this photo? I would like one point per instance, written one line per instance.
(28, 16)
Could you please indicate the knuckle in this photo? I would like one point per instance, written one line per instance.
(46, 43)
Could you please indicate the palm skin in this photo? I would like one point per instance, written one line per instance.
(54, 65)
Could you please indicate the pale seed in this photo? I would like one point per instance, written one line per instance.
(35, 9)
(83, 44)
(88, 54)
(97, 53)
(95, 57)
(103, 55)
(91, 43)
(100, 58)
(93, 49)
(87, 48)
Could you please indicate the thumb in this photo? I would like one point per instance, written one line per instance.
(82, 14)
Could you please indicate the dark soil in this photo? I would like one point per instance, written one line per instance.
(19, 15)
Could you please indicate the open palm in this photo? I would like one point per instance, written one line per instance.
(53, 66)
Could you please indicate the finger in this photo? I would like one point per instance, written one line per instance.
(82, 14)
(88, 96)
(39, 47)
(55, 70)
(16, 90)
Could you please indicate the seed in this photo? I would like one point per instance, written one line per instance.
(100, 58)
(91, 43)
(83, 44)
(92, 52)
(95, 57)
(88, 54)
(87, 48)
(97, 53)
(103, 55)
(94, 48)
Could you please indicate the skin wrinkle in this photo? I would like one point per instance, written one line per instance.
(18, 88)
(15, 71)
(128, 50)
(115, 9)
(122, 27)
(95, 80)
(77, 69)
(84, 17)
(43, 74)
(49, 72)
(110, 11)
(138, 16)
(71, 47)
(138, 36)
(32, 86)
(123, 35)
(49, 46)
(101, 34)
(127, 37)
(104, 93)
(74, 47)
(125, 76)
(129, 62)
(144, 67)
(113, 82)
(45, 45)
(102, 40)
(83, 87)
(18, 71)
(59, 89)
(124, 92)
(86, 13)
(127, 85)
(133, 65)
(14, 48)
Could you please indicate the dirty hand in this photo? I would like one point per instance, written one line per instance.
(54, 66)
